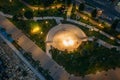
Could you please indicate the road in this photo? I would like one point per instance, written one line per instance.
(23, 59)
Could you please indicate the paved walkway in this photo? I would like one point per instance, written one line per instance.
(58, 19)
(23, 59)
(6, 15)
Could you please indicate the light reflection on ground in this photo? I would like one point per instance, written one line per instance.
(66, 40)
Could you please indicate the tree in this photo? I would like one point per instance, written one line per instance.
(81, 7)
(37, 63)
(28, 14)
(17, 17)
(114, 24)
(24, 73)
(94, 13)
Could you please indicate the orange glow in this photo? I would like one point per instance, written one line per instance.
(35, 30)
(53, 7)
(100, 25)
(85, 18)
(23, 9)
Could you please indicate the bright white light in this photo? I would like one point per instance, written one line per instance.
(68, 42)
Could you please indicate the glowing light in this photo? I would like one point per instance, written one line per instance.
(112, 38)
(46, 22)
(41, 32)
(23, 9)
(68, 42)
(53, 7)
(35, 30)
(41, 8)
(99, 24)
(77, 7)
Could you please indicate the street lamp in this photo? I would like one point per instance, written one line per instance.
(41, 32)
(46, 22)
(85, 18)
(23, 9)
(10, 0)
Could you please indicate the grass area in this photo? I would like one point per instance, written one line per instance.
(29, 25)
(94, 33)
(13, 7)
(88, 59)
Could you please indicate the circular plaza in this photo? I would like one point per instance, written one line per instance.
(65, 37)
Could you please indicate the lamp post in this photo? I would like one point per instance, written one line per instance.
(10, 1)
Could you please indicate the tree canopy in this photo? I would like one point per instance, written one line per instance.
(28, 14)
(81, 7)
(94, 13)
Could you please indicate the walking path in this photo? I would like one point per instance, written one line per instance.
(58, 19)
(23, 59)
